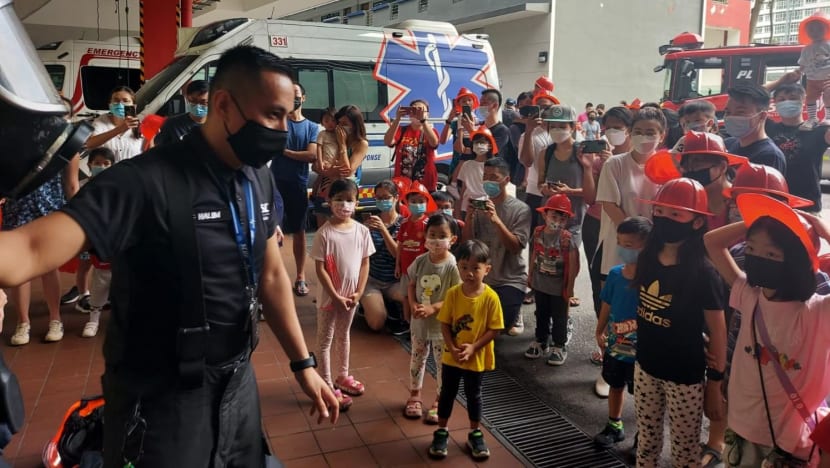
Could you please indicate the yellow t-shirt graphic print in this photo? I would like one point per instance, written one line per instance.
(469, 318)
(652, 303)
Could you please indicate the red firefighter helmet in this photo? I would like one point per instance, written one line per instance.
(758, 178)
(557, 202)
(484, 131)
(682, 194)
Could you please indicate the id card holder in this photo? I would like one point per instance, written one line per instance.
(254, 309)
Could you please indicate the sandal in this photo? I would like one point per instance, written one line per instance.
(432, 414)
(574, 302)
(344, 401)
(301, 288)
(350, 386)
(414, 408)
(715, 460)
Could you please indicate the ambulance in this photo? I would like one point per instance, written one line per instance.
(86, 71)
(376, 69)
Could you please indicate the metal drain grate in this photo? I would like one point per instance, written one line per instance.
(529, 428)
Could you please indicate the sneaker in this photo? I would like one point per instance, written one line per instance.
(55, 332)
(83, 305)
(808, 125)
(570, 331)
(557, 356)
(536, 350)
(609, 436)
(21, 334)
(475, 441)
(438, 448)
(398, 327)
(71, 296)
(601, 387)
(90, 330)
(518, 328)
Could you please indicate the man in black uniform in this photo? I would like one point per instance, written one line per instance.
(176, 127)
(180, 395)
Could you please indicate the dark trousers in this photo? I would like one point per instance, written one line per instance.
(551, 319)
(216, 425)
(590, 240)
(597, 278)
(451, 378)
(534, 201)
(511, 303)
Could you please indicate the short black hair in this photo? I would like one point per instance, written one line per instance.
(302, 88)
(197, 87)
(441, 219)
(440, 196)
(621, 113)
(651, 104)
(500, 164)
(342, 185)
(524, 95)
(102, 152)
(238, 69)
(752, 92)
(794, 88)
(419, 101)
(589, 104)
(473, 249)
(649, 113)
(493, 91)
(639, 225)
(693, 107)
(389, 186)
(601, 106)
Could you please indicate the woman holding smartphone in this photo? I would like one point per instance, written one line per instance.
(118, 129)
(414, 144)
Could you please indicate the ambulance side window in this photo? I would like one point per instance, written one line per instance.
(98, 82)
(358, 88)
(337, 84)
(58, 75)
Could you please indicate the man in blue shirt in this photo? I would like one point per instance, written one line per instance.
(290, 171)
(744, 119)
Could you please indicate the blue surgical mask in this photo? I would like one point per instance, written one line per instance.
(95, 170)
(198, 110)
(448, 211)
(417, 208)
(788, 109)
(738, 126)
(384, 205)
(628, 256)
(117, 109)
(492, 189)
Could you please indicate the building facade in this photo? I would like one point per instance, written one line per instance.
(780, 26)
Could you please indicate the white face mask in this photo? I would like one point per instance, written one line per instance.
(559, 135)
(342, 209)
(615, 136)
(644, 144)
(481, 148)
(437, 245)
(555, 225)
(483, 112)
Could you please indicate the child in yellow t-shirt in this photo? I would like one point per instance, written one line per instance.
(470, 317)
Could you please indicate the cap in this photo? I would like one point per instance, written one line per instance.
(420, 189)
(484, 131)
(708, 143)
(545, 83)
(464, 92)
(559, 113)
(544, 95)
(557, 202)
(758, 178)
(754, 206)
(682, 194)
(803, 37)
(510, 102)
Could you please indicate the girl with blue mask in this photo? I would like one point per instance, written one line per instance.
(118, 130)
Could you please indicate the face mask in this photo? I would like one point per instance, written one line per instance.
(763, 272)
(298, 101)
(117, 109)
(342, 209)
(703, 176)
(417, 208)
(384, 205)
(437, 245)
(695, 126)
(198, 110)
(671, 231)
(788, 109)
(559, 135)
(448, 211)
(615, 136)
(95, 170)
(256, 144)
(628, 256)
(592, 118)
(481, 148)
(555, 225)
(492, 189)
(644, 144)
(483, 112)
(738, 126)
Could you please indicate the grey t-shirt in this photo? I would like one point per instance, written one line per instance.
(432, 281)
(508, 269)
(570, 172)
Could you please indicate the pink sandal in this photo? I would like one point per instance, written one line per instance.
(349, 386)
(344, 401)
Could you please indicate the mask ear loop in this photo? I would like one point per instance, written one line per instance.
(239, 109)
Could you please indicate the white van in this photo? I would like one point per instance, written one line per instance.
(376, 69)
(86, 71)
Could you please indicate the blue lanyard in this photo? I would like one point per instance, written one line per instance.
(245, 248)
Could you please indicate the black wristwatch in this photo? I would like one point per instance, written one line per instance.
(310, 361)
(714, 375)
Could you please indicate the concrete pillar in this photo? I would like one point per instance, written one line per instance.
(157, 28)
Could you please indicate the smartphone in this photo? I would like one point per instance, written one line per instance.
(129, 111)
(479, 204)
(467, 110)
(593, 146)
(529, 111)
(406, 110)
(365, 215)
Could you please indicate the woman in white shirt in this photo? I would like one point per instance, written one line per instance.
(118, 130)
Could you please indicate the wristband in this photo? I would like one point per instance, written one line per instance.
(310, 361)
(714, 375)
(448, 121)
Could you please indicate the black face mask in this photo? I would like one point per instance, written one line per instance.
(297, 103)
(255, 144)
(672, 231)
(763, 272)
(703, 176)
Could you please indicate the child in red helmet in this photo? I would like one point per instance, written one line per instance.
(680, 293)
(814, 33)
(553, 258)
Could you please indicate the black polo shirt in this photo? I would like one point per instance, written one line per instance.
(123, 212)
(175, 128)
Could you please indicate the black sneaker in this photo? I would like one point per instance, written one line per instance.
(71, 296)
(609, 436)
(83, 305)
(478, 449)
(398, 327)
(438, 448)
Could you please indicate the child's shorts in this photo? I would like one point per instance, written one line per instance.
(617, 373)
(815, 88)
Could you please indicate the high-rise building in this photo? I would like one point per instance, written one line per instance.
(780, 26)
